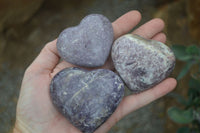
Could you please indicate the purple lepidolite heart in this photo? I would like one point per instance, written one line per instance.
(140, 62)
(87, 44)
(86, 98)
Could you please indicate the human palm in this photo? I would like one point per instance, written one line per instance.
(35, 111)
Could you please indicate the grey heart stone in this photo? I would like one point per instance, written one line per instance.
(140, 62)
(86, 98)
(87, 44)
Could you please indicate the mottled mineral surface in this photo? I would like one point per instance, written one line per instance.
(87, 44)
(140, 62)
(86, 98)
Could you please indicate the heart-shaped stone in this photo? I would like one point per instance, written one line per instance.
(87, 44)
(140, 62)
(86, 98)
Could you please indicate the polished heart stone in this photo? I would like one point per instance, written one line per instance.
(141, 63)
(87, 44)
(86, 98)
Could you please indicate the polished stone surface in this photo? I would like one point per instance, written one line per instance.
(142, 63)
(86, 98)
(87, 44)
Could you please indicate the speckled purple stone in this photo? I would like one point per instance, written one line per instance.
(86, 98)
(142, 63)
(87, 44)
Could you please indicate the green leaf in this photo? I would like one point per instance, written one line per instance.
(193, 92)
(192, 50)
(180, 52)
(194, 83)
(178, 98)
(198, 109)
(185, 70)
(191, 96)
(183, 130)
(196, 101)
(180, 116)
(199, 69)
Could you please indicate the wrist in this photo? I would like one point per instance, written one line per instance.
(20, 128)
(16, 130)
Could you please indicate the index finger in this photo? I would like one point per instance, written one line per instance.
(126, 23)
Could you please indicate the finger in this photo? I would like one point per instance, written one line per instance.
(161, 37)
(142, 99)
(62, 65)
(136, 101)
(126, 23)
(150, 29)
(46, 60)
(121, 26)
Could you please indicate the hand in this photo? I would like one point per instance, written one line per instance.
(35, 112)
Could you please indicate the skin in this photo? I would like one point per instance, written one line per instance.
(36, 113)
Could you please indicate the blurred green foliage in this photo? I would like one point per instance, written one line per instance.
(189, 115)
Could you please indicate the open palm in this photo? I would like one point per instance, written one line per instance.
(35, 112)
